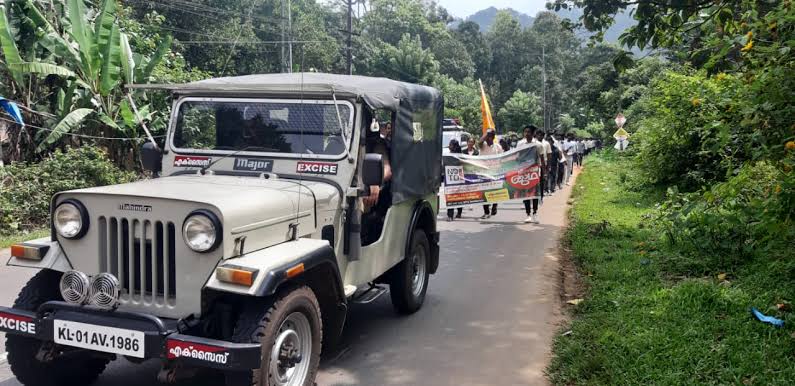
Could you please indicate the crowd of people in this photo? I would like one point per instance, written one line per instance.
(557, 154)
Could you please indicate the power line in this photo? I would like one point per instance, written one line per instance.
(177, 8)
(85, 135)
(252, 42)
(206, 8)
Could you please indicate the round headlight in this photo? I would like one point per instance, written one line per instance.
(70, 219)
(201, 231)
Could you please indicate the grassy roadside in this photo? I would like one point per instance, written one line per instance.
(643, 322)
(7, 240)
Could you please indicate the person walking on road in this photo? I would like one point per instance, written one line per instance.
(552, 164)
(580, 151)
(488, 146)
(569, 147)
(455, 148)
(562, 163)
(530, 139)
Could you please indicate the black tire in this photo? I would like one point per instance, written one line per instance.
(261, 323)
(406, 292)
(79, 367)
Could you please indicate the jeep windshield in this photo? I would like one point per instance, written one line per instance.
(220, 125)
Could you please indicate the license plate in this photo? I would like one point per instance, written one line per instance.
(99, 338)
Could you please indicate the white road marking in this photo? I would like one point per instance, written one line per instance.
(3, 358)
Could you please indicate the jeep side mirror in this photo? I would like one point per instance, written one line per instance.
(372, 169)
(151, 158)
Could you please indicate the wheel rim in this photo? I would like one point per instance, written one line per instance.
(292, 351)
(418, 267)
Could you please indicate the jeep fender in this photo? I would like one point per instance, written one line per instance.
(54, 259)
(424, 218)
(272, 264)
(320, 272)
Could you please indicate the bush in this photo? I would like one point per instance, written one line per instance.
(28, 188)
(747, 217)
(688, 140)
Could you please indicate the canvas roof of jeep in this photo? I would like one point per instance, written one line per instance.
(378, 93)
(416, 137)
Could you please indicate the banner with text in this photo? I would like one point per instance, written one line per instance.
(468, 180)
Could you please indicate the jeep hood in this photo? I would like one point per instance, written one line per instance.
(257, 211)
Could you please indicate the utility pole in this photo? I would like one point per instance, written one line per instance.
(284, 49)
(544, 85)
(350, 37)
(290, 36)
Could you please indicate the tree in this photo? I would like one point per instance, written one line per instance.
(91, 58)
(468, 33)
(408, 61)
(461, 100)
(520, 110)
(504, 39)
(454, 60)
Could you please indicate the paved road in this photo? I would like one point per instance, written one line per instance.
(489, 316)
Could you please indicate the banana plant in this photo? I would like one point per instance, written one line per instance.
(92, 56)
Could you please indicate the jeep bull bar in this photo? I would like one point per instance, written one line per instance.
(130, 334)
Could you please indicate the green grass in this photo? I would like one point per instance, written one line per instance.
(643, 322)
(7, 240)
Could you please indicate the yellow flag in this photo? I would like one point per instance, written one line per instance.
(488, 121)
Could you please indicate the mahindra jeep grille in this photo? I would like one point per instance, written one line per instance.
(141, 254)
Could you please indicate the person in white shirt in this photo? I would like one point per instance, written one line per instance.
(532, 136)
(569, 147)
(488, 146)
(562, 163)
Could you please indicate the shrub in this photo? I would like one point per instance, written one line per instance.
(688, 140)
(749, 216)
(28, 188)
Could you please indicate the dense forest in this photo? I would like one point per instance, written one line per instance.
(66, 62)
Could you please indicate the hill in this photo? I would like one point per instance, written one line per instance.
(485, 18)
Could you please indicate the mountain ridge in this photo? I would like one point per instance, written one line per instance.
(485, 19)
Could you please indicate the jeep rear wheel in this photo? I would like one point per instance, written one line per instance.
(290, 331)
(76, 367)
(409, 281)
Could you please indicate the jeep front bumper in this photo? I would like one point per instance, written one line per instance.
(132, 334)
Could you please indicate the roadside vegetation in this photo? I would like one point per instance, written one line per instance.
(680, 236)
(27, 188)
(659, 312)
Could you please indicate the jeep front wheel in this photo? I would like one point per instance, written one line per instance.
(409, 280)
(290, 332)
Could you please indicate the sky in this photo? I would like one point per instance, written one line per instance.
(464, 8)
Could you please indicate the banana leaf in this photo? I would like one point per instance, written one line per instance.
(104, 118)
(103, 25)
(62, 49)
(36, 16)
(111, 63)
(67, 124)
(46, 69)
(161, 51)
(127, 61)
(9, 46)
(83, 36)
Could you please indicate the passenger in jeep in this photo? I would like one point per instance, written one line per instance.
(380, 199)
